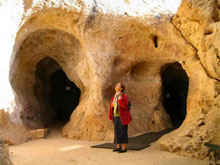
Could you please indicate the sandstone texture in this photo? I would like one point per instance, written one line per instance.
(4, 153)
(199, 24)
(13, 134)
(96, 49)
(39, 133)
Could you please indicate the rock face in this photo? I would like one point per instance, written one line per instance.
(200, 27)
(13, 134)
(4, 153)
(156, 57)
(39, 133)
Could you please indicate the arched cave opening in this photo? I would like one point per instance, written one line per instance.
(175, 89)
(58, 95)
(64, 95)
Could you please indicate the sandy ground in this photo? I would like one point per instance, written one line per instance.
(57, 150)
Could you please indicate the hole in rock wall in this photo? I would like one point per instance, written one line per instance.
(175, 89)
(208, 32)
(155, 40)
(55, 92)
(64, 95)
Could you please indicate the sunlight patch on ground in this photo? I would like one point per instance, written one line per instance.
(70, 148)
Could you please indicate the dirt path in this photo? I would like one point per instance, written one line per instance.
(57, 150)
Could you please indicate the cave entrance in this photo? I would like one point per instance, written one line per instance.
(175, 89)
(57, 95)
(64, 95)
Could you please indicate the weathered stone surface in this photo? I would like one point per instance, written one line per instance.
(12, 134)
(97, 49)
(99, 66)
(200, 27)
(39, 133)
(4, 153)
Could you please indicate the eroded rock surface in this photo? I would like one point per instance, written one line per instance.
(97, 49)
(200, 27)
(13, 134)
(4, 153)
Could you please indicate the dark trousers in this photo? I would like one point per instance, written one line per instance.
(120, 131)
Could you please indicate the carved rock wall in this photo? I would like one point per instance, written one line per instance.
(199, 26)
(97, 49)
(127, 54)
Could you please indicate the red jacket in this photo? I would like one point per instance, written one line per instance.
(123, 110)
